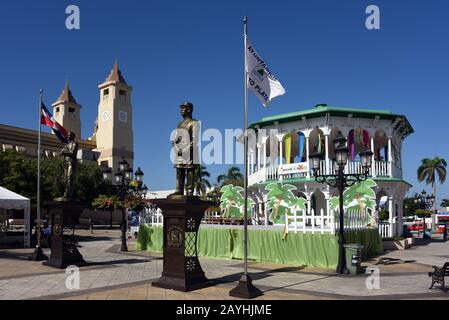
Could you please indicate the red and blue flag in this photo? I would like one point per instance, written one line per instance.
(48, 121)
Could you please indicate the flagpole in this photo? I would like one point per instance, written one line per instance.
(245, 136)
(39, 172)
(245, 289)
(38, 255)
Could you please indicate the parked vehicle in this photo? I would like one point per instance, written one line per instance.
(417, 226)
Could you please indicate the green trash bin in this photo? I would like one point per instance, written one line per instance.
(353, 254)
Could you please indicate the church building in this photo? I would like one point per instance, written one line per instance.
(112, 139)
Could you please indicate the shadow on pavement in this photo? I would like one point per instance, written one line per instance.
(15, 255)
(122, 261)
(265, 274)
(427, 241)
(92, 238)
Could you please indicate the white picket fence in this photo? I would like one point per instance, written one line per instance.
(153, 217)
(322, 223)
(300, 221)
(385, 230)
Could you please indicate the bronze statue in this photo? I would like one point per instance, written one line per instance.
(185, 145)
(69, 153)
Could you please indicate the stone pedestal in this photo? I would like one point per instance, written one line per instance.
(64, 216)
(181, 268)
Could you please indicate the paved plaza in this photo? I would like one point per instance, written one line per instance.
(112, 275)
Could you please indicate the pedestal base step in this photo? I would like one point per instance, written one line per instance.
(182, 285)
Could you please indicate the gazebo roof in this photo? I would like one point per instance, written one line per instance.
(322, 110)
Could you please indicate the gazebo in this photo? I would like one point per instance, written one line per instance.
(13, 201)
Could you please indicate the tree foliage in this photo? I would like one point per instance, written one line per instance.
(430, 170)
(411, 206)
(232, 176)
(18, 173)
(201, 181)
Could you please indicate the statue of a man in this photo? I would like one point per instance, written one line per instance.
(69, 153)
(185, 145)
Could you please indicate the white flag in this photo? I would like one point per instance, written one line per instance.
(260, 79)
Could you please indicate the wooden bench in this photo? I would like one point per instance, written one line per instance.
(438, 276)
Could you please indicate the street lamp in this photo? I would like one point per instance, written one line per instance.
(123, 178)
(145, 191)
(341, 181)
(139, 175)
(107, 173)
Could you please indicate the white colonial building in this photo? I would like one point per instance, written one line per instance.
(281, 153)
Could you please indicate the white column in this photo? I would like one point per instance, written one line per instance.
(390, 162)
(400, 217)
(306, 138)
(264, 148)
(326, 139)
(373, 164)
(390, 215)
(258, 157)
(251, 162)
(281, 150)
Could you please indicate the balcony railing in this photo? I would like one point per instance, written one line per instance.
(301, 170)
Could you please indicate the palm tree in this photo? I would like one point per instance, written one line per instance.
(429, 170)
(233, 174)
(445, 203)
(201, 183)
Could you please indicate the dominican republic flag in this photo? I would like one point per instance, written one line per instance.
(48, 120)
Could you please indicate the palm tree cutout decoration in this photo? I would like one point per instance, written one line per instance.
(282, 201)
(279, 198)
(232, 201)
(359, 196)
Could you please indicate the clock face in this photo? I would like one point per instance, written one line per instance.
(105, 116)
(123, 116)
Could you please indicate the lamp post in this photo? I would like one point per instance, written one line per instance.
(341, 181)
(107, 175)
(123, 178)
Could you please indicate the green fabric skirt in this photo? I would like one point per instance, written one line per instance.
(298, 249)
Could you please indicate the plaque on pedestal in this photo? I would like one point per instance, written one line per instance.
(181, 268)
(64, 217)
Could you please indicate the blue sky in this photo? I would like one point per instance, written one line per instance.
(171, 51)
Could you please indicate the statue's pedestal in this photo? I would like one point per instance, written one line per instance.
(181, 268)
(64, 217)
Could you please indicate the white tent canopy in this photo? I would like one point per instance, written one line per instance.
(9, 201)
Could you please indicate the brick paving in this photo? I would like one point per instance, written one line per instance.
(112, 275)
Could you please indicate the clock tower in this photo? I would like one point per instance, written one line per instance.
(114, 136)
